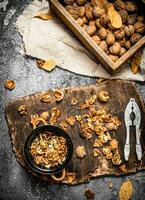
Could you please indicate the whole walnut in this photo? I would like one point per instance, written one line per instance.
(113, 58)
(89, 12)
(85, 20)
(74, 12)
(91, 29)
(139, 27)
(119, 4)
(98, 24)
(92, 22)
(97, 11)
(103, 45)
(84, 27)
(123, 42)
(124, 15)
(104, 20)
(69, 2)
(128, 44)
(96, 39)
(80, 21)
(75, 5)
(102, 33)
(98, 2)
(135, 38)
(131, 6)
(81, 2)
(122, 51)
(119, 34)
(82, 11)
(131, 19)
(110, 39)
(140, 18)
(115, 49)
(129, 30)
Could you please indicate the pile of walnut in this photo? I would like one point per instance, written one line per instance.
(115, 27)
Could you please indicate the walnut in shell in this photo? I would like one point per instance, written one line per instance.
(96, 39)
(110, 39)
(89, 12)
(119, 4)
(124, 15)
(103, 45)
(128, 44)
(103, 96)
(119, 34)
(81, 2)
(80, 21)
(80, 151)
(104, 20)
(122, 51)
(82, 11)
(74, 12)
(131, 6)
(129, 30)
(113, 58)
(140, 18)
(115, 49)
(102, 33)
(131, 19)
(69, 2)
(91, 29)
(139, 27)
(98, 12)
(135, 38)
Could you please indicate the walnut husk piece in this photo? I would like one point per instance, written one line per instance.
(126, 190)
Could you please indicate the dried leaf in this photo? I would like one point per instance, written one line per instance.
(47, 65)
(114, 17)
(135, 62)
(126, 190)
(44, 16)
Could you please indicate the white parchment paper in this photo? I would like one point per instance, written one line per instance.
(52, 40)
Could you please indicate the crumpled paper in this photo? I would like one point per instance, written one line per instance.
(52, 40)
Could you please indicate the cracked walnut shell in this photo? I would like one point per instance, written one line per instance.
(46, 97)
(59, 94)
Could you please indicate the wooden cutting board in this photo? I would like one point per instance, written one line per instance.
(120, 93)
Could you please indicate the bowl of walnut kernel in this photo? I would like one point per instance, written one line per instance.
(48, 150)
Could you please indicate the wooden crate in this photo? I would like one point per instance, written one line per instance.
(99, 54)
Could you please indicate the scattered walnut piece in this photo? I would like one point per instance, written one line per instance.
(123, 168)
(126, 190)
(80, 151)
(47, 65)
(45, 115)
(23, 110)
(59, 95)
(55, 114)
(103, 96)
(113, 144)
(63, 125)
(33, 118)
(97, 143)
(91, 100)
(116, 160)
(78, 118)
(69, 177)
(96, 152)
(89, 193)
(74, 101)
(46, 97)
(71, 120)
(10, 84)
(107, 152)
(44, 16)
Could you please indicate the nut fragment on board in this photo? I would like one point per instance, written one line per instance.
(10, 84)
(89, 193)
(63, 125)
(45, 115)
(59, 94)
(116, 160)
(96, 152)
(126, 190)
(80, 151)
(23, 110)
(69, 177)
(71, 120)
(47, 65)
(44, 16)
(74, 101)
(103, 96)
(46, 97)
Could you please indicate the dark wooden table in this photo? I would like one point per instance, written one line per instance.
(15, 182)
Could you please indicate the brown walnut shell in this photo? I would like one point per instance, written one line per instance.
(115, 49)
(89, 12)
(131, 19)
(122, 51)
(91, 29)
(139, 27)
(103, 45)
(110, 39)
(102, 33)
(113, 58)
(140, 18)
(119, 34)
(131, 6)
(98, 12)
(104, 20)
(135, 37)
(98, 24)
(80, 21)
(81, 2)
(124, 15)
(129, 30)
(96, 39)
(122, 42)
(82, 11)
(69, 2)
(74, 12)
(119, 4)
(128, 44)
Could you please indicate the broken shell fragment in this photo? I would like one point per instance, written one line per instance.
(96, 152)
(23, 110)
(46, 97)
(97, 143)
(58, 95)
(63, 125)
(71, 120)
(113, 144)
(80, 151)
(103, 138)
(10, 84)
(74, 101)
(45, 115)
(103, 96)
(116, 160)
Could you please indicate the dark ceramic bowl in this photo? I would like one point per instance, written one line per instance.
(28, 157)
